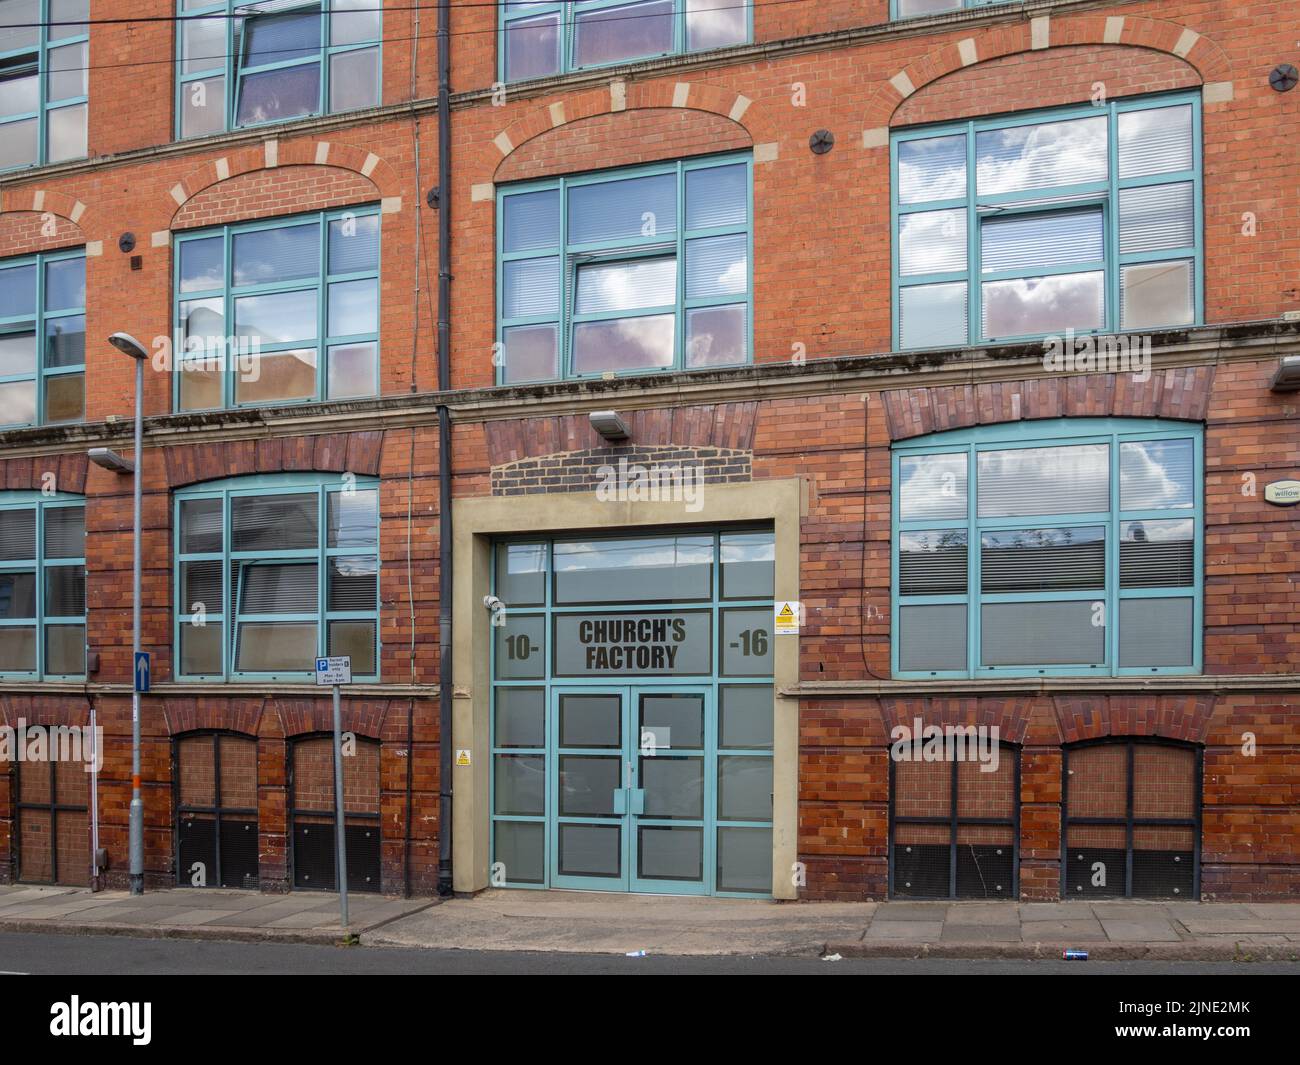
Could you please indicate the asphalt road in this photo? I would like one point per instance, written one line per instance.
(119, 955)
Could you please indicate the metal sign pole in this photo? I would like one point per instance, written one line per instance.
(341, 857)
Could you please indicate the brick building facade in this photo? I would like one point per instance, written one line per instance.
(799, 386)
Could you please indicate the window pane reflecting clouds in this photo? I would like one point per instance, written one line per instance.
(932, 487)
(1041, 156)
(1043, 305)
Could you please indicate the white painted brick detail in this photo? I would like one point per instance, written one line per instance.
(903, 84)
(1186, 42)
(1040, 31)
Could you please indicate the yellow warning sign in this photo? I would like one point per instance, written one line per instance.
(462, 756)
(786, 618)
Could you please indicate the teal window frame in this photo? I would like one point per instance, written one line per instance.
(46, 104)
(229, 292)
(962, 5)
(1051, 433)
(552, 684)
(229, 616)
(42, 504)
(36, 322)
(230, 65)
(571, 255)
(1104, 195)
(568, 11)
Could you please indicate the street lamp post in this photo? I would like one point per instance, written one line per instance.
(128, 345)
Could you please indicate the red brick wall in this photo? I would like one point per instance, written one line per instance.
(821, 227)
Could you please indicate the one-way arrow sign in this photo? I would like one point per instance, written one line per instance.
(142, 671)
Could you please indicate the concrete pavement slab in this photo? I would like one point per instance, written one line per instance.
(306, 920)
(1054, 911)
(194, 917)
(980, 933)
(1062, 931)
(920, 931)
(913, 911)
(1270, 910)
(1239, 926)
(1148, 931)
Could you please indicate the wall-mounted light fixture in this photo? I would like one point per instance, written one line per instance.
(108, 459)
(609, 425)
(1287, 378)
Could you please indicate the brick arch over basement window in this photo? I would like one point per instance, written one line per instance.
(1172, 717)
(294, 172)
(1181, 392)
(183, 714)
(369, 719)
(1010, 714)
(1077, 717)
(60, 709)
(1036, 35)
(269, 718)
(357, 453)
(1053, 77)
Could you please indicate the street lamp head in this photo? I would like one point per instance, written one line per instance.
(128, 345)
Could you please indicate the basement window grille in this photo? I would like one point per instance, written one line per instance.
(1132, 820)
(954, 829)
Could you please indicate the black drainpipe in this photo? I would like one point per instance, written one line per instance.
(445, 684)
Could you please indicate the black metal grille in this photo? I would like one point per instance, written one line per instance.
(986, 870)
(1132, 820)
(313, 853)
(52, 825)
(208, 856)
(957, 836)
(314, 844)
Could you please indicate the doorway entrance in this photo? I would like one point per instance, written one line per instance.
(633, 714)
(632, 789)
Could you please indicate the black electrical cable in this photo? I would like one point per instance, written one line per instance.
(862, 555)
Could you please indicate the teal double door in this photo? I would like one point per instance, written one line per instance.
(633, 789)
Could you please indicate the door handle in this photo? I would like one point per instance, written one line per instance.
(620, 801)
(638, 800)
